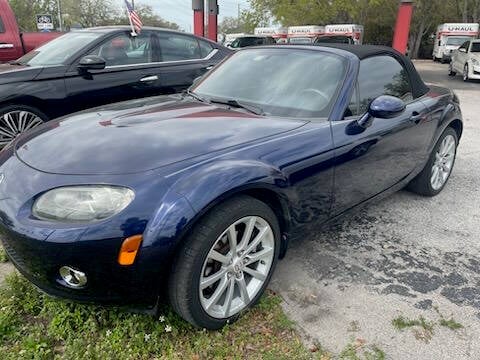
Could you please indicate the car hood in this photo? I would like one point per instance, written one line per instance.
(13, 73)
(137, 136)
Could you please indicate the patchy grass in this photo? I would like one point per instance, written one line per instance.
(450, 323)
(3, 255)
(401, 323)
(358, 350)
(35, 326)
(422, 329)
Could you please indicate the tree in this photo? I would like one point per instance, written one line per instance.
(86, 13)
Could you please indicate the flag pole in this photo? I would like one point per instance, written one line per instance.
(133, 33)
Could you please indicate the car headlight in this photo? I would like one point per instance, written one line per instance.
(82, 203)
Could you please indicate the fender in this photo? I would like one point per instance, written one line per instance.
(449, 115)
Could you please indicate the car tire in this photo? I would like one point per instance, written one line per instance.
(451, 72)
(465, 73)
(206, 305)
(438, 169)
(15, 119)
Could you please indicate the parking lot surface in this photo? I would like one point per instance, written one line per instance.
(406, 256)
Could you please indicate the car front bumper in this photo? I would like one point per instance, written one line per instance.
(38, 249)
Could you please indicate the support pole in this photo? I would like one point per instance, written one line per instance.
(198, 17)
(402, 27)
(213, 20)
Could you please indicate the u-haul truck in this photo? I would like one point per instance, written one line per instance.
(450, 37)
(280, 34)
(352, 32)
(304, 34)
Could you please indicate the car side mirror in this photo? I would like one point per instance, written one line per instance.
(462, 50)
(383, 107)
(91, 62)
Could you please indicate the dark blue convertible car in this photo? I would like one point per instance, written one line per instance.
(196, 196)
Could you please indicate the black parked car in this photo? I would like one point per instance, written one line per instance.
(97, 66)
(248, 40)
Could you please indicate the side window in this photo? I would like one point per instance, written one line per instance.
(177, 47)
(382, 75)
(205, 48)
(125, 50)
(2, 27)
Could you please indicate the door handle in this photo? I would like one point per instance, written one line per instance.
(209, 67)
(416, 117)
(149, 78)
(6, 46)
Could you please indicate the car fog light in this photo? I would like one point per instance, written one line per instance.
(73, 278)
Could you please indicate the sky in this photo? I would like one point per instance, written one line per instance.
(180, 11)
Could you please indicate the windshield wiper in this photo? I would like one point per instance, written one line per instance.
(195, 96)
(15, 62)
(241, 105)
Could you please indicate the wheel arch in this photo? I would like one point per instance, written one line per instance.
(457, 125)
(29, 101)
(222, 181)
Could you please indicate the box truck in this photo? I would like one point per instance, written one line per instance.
(450, 36)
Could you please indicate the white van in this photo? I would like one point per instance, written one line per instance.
(353, 32)
(280, 34)
(304, 34)
(450, 36)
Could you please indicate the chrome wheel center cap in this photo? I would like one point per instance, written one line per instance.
(237, 266)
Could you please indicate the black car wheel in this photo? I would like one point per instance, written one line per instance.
(16, 119)
(436, 173)
(225, 263)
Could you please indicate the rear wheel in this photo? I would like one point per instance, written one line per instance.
(226, 263)
(436, 173)
(16, 119)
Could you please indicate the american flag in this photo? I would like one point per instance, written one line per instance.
(134, 18)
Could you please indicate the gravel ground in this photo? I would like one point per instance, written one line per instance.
(405, 256)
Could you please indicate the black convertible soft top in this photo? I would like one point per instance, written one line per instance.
(365, 51)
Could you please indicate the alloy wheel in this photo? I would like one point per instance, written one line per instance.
(13, 123)
(236, 267)
(443, 164)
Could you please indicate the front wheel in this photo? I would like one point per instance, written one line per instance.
(226, 263)
(16, 119)
(436, 173)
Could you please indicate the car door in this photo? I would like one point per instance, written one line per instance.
(382, 155)
(131, 71)
(183, 58)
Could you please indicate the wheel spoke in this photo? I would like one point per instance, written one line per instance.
(229, 297)
(9, 121)
(243, 290)
(217, 293)
(215, 255)
(258, 239)
(248, 232)
(256, 274)
(232, 239)
(262, 254)
(212, 279)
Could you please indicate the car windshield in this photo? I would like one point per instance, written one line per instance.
(334, 39)
(246, 41)
(475, 47)
(58, 50)
(456, 40)
(300, 40)
(278, 82)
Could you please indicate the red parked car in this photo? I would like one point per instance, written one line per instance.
(13, 43)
